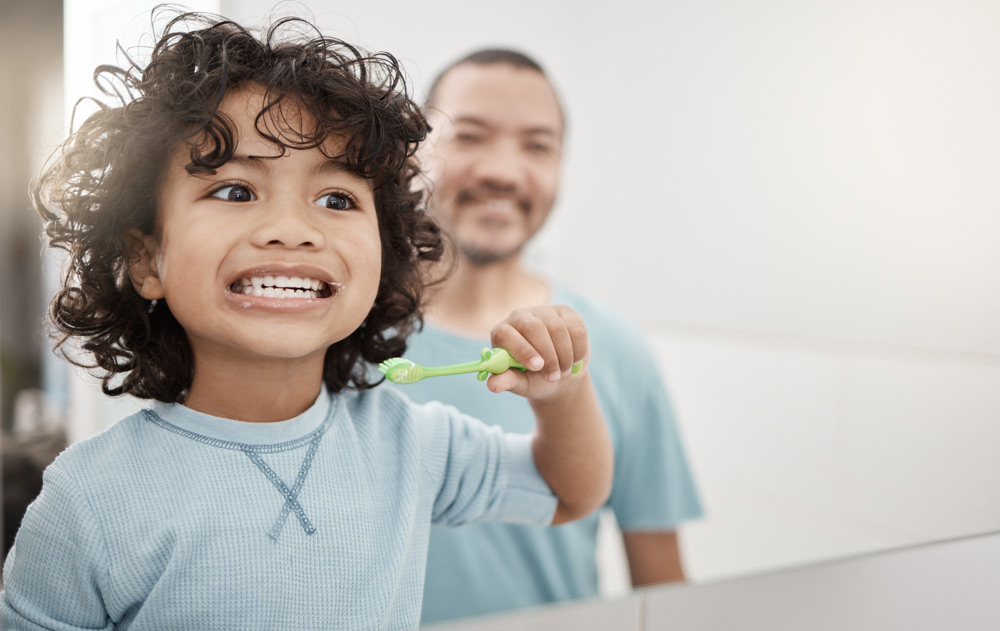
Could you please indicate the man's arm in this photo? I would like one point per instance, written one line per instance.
(653, 557)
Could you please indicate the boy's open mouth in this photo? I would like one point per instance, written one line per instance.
(283, 287)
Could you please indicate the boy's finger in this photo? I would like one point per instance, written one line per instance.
(507, 335)
(534, 326)
(577, 331)
(561, 340)
(504, 381)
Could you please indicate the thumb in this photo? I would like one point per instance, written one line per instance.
(504, 381)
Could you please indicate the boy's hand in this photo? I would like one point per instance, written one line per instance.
(547, 339)
(570, 441)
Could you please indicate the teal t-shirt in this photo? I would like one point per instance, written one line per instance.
(492, 567)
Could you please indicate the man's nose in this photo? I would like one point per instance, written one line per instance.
(501, 165)
(288, 224)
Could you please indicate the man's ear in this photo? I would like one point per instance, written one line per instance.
(142, 264)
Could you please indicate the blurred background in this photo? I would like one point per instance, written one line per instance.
(31, 123)
(795, 200)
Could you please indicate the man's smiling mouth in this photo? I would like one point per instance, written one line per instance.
(283, 287)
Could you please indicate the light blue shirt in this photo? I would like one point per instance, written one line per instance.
(492, 567)
(173, 519)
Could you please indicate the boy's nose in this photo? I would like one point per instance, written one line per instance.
(287, 225)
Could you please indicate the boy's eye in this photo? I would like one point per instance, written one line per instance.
(234, 193)
(336, 201)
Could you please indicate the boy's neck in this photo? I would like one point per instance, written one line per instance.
(476, 297)
(255, 393)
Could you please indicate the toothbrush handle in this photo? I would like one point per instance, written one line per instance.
(453, 369)
(577, 367)
(498, 360)
(493, 361)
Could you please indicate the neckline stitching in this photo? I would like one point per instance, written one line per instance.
(295, 443)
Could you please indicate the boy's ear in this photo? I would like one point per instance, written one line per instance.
(142, 264)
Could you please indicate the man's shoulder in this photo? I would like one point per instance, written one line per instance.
(605, 323)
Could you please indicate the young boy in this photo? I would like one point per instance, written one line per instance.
(243, 242)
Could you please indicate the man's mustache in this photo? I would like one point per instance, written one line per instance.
(489, 190)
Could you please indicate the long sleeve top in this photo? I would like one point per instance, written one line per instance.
(173, 519)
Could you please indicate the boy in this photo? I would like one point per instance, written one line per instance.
(243, 241)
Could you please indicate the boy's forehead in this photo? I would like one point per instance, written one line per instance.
(249, 111)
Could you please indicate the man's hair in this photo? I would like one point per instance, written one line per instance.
(104, 181)
(488, 57)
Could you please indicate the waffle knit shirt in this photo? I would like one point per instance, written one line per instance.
(173, 519)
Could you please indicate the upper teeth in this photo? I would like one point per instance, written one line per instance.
(280, 286)
(501, 203)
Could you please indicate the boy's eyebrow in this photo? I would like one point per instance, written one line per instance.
(263, 163)
(258, 163)
(331, 166)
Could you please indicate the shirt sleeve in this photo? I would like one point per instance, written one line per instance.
(485, 474)
(653, 485)
(55, 574)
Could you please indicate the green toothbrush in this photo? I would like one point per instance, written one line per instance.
(493, 361)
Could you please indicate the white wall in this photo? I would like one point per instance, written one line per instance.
(797, 201)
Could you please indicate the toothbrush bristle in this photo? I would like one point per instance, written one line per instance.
(400, 370)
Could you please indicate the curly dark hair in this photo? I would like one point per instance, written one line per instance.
(96, 187)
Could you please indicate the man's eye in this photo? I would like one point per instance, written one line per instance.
(234, 193)
(336, 201)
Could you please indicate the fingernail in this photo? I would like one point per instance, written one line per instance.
(536, 363)
(554, 375)
(567, 372)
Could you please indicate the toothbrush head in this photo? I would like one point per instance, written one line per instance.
(400, 370)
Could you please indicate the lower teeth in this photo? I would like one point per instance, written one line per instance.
(279, 292)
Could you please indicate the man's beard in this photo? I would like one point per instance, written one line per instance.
(482, 257)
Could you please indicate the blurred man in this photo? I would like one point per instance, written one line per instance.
(494, 161)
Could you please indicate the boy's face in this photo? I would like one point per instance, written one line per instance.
(494, 157)
(269, 259)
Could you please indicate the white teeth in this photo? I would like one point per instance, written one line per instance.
(279, 292)
(501, 204)
(281, 287)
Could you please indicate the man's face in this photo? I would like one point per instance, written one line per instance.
(494, 157)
